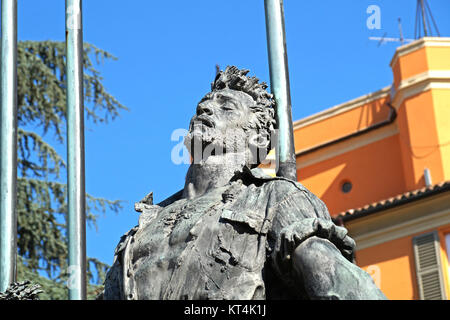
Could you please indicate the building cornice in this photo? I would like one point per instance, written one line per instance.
(400, 230)
(398, 200)
(432, 79)
(432, 75)
(418, 44)
(345, 146)
(427, 211)
(341, 108)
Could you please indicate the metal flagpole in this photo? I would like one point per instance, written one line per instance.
(279, 82)
(8, 155)
(75, 151)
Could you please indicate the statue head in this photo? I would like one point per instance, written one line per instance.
(236, 116)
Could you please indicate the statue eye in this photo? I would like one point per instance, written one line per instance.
(225, 102)
(221, 98)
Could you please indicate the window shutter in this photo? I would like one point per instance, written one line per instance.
(428, 266)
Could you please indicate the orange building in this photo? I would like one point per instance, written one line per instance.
(381, 163)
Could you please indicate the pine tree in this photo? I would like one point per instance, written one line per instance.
(41, 188)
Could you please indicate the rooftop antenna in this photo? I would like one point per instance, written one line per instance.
(400, 31)
(423, 18)
(384, 39)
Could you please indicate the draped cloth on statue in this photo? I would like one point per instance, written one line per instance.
(233, 242)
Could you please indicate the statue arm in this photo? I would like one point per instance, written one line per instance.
(294, 234)
(114, 281)
(313, 253)
(298, 215)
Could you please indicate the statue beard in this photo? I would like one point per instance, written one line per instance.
(199, 136)
(203, 141)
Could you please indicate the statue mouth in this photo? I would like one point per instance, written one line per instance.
(205, 121)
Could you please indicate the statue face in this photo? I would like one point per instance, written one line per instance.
(220, 118)
(224, 109)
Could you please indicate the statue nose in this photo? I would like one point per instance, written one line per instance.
(204, 108)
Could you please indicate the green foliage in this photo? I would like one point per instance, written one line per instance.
(41, 191)
(53, 289)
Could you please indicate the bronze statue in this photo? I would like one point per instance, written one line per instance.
(233, 232)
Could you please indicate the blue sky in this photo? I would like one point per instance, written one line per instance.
(167, 54)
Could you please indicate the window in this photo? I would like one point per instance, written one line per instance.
(447, 244)
(428, 266)
(346, 186)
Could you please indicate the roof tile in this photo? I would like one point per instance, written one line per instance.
(394, 201)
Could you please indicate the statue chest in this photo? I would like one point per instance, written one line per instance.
(189, 250)
(172, 227)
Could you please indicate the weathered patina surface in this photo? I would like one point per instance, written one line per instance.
(24, 290)
(233, 232)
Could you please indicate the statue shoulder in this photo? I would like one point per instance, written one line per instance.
(123, 243)
(290, 195)
(175, 197)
